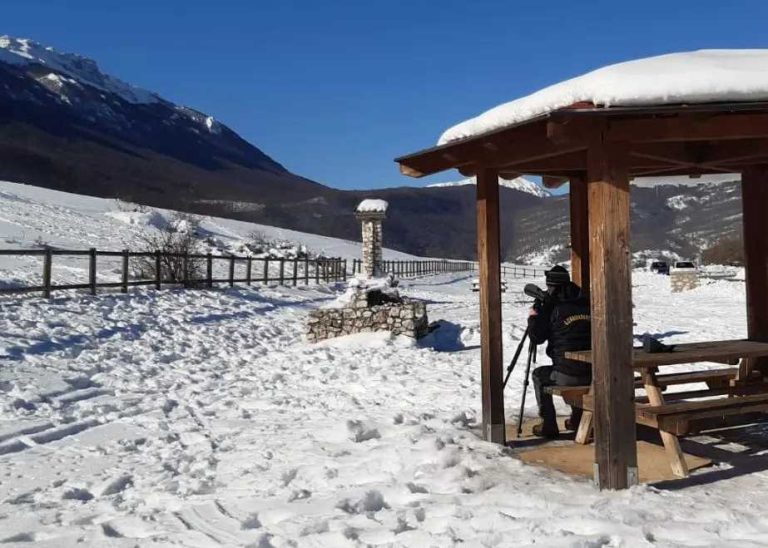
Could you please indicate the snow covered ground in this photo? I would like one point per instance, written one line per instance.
(202, 418)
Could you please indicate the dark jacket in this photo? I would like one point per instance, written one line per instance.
(564, 321)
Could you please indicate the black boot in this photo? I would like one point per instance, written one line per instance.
(572, 423)
(546, 429)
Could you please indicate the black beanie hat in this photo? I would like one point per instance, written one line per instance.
(557, 276)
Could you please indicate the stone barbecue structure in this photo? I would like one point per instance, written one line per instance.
(371, 302)
(683, 281)
(368, 311)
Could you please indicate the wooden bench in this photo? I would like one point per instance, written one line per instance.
(714, 378)
(744, 394)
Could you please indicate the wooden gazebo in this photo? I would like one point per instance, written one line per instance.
(598, 150)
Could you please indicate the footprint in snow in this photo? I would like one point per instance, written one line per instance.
(360, 431)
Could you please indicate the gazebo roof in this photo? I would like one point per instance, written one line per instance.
(694, 113)
(696, 77)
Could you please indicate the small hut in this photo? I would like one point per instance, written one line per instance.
(692, 114)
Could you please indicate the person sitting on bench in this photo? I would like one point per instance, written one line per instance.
(563, 319)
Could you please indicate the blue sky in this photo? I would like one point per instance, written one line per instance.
(335, 90)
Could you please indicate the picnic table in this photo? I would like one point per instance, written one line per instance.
(680, 413)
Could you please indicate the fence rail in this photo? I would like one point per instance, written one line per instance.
(412, 269)
(257, 270)
(428, 267)
(514, 271)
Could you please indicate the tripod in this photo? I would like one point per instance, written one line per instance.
(511, 367)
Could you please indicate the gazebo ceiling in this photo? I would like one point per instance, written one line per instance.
(712, 138)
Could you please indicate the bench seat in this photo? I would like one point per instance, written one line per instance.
(713, 378)
(678, 417)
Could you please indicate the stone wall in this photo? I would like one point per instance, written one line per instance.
(683, 281)
(408, 318)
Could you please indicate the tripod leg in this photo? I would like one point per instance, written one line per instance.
(512, 364)
(531, 357)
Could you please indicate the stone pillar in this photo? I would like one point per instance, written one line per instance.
(371, 213)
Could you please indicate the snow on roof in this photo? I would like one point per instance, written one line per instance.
(372, 205)
(705, 76)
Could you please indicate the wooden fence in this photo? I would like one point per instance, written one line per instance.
(289, 271)
(514, 271)
(412, 269)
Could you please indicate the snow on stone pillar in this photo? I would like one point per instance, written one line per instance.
(370, 213)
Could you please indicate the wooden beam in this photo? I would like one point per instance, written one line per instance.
(754, 197)
(489, 259)
(611, 300)
(579, 234)
(718, 126)
(504, 147)
(714, 127)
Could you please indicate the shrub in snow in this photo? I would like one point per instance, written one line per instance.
(180, 237)
(727, 251)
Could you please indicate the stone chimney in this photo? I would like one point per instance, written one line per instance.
(370, 213)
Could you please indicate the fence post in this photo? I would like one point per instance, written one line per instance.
(124, 288)
(344, 271)
(92, 270)
(282, 270)
(158, 271)
(306, 270)
(248, 267)
(317, 271)
(295, 271)
(209, 270)
(231, 271)
(47, 268)
(266, 270)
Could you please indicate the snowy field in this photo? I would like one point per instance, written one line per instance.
(201, 418)
(31, 217)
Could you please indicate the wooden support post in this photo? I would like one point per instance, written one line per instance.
(754, 198)
(124, 287)
(306, 270)
(158, 271)
(344, 271)
(92, 270)
(185, 271)
(248, 270)
(47, 270)
(317, 271)
(295, 271)
(266, 271)
(231, 271)
(611, 292)
(670, 441)
(579, 234)
(282, 271)
(489, 256)
(209, 270)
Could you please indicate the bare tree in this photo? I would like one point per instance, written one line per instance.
(175, 242)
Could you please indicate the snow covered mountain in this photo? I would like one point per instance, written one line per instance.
(519, 183)
(66, 125)
(69, 126)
